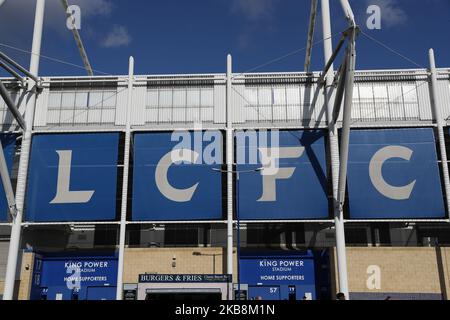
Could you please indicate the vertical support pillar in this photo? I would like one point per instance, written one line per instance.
(126, 169)
(343, 160)
(334, 152)
(229, 159)
(440, 125)
(14, 244)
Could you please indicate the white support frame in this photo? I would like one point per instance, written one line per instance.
(14, 244)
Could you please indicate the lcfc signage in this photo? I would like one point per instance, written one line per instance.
(72, 177)
(9, 147)
(282, 175)
(394, 174)
(173, 176)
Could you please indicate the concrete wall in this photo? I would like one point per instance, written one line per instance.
(401, 272)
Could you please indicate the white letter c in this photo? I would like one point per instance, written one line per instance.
(174, 194)
(376, 176)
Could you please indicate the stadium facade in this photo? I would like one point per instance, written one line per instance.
(82, 190)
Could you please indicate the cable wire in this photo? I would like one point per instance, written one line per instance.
(392, 50)
(287, 55)
(52, 59)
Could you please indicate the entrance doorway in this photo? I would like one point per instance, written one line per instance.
(192, 294)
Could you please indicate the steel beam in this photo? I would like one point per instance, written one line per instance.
(12, 72)
(343, 161)
(348, 100)
(7, 186)
(339, 92)
(348, 12)
(341, 255)
(331, 59)
(77, 37)
(436, 105)
(18, 67)
(309, 43)
(16, 230)
(229, 163)
(126, 164)
(12, 106)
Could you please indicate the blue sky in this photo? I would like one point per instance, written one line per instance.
(194, 36)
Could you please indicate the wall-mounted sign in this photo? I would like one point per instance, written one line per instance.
(277, 270)
(279, 276)
(72, 177)
(394, 173)
(290, 181)
(173, 176)
(148, 278)
(130, 294)
(75, 277)
(9, 148)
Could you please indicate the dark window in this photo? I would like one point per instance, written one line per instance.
(105, 235)
(356, 236)
(176, 235)
(433, 235)
(271, 235)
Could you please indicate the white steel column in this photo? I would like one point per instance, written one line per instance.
(440, 126)
(14, 245)
(126, 164)
(229, 159)
(334, 153)
(343, 162)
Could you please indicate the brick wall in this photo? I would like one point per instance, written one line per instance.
(409, 272)
(26, 276)
(402, 270)
(22, 286)
(159, 260)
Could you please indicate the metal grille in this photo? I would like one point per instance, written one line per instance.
(179, 105)
(81, 107)
(279, 103)
(380, 101)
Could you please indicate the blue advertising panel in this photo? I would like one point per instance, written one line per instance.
(394, 173)
(275, 276)
(72, 177)
(74, 277)
(9, 148)
(290, 180)
(173, 176)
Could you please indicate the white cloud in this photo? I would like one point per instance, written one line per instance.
(392, 14)
(258, 16)
(117, 37)
(19, 14)
(93, 7)
(253, 9)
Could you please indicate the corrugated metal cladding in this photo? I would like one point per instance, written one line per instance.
(273, 99)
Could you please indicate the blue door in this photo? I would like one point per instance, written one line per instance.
(264, 293)
(101, 293)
